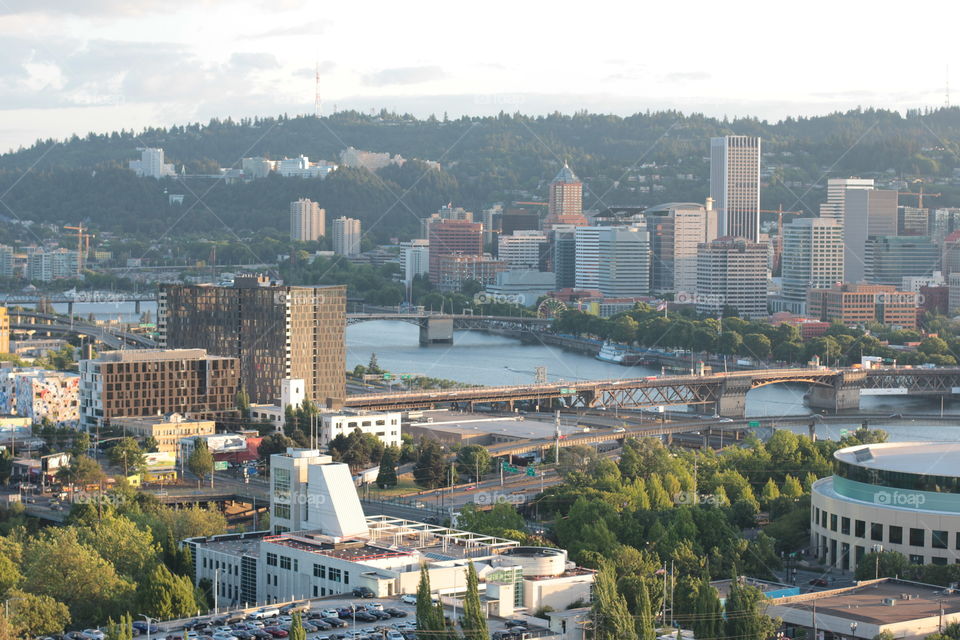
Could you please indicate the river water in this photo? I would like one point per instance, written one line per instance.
(481, 358)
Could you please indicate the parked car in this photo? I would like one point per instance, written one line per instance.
(260, 634)
(277, 632)
(321, 625)
(408, 598)
(334, 621)
(515, 623)
(396, 613)
(363, 592)
(141, 625)
(266, 612)
(221, 635)
(328, 613)
(241, 634)
(92, 634)
(294, 607)
(819, 582)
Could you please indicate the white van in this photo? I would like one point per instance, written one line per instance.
(266, 612)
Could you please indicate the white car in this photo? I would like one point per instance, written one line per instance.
(330, 613)
(92, 634)
(220, 635)
(395, 635)
(376, 606)
(408, 598)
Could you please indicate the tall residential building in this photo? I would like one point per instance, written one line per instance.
(735, 185)
(45, 266)
(732, 272)
(307, 221)
(415, 258)
(836, 195)
(276, 331)
(812, 259)
(346, 236)
(565, 204)
(676, 230)
(6, 261)
(890, 259)
(152, 382)
(448, 237)
(867, 212)
(4, 330)
(522, 250)
(151, 164)
(623, 269)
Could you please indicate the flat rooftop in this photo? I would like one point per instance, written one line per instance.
(865, 603)
(927, 458)
(484, 423)
(765, 586)
(246, 544)
(353, 551)
(149, 355)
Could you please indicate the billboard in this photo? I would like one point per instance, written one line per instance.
(160, 460)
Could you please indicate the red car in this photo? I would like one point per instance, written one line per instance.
(276, 632)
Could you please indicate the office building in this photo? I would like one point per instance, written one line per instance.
(6, 261)
(522, 250)
(943, 222)
(301, 167)
(167, 430)
(523, 287)
(346, 236)
(275, 331)
(732, 272)
(913, 221)
(735, 185)
(4, 330)
(151, 164)
(384, 426)
(454, 270)
(890, 259)
(415, 259)
(623, 267)
(587, 250)
(518, 219)
(953, 294)
(676, 230)
(322, 545)
(812, 259)
(856, 305)
(307, 221)
(867, 212)
(151, 382)
(563, 256)
(565, 205)
(902, 496)
(448, 237)
(837, 189)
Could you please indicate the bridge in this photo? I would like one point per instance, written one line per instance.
(115, 338)
(70, 298)
(439, 327)
(722, 394)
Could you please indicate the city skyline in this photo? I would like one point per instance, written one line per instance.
(98, 66)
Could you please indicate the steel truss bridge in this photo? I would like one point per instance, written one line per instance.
(461, 322)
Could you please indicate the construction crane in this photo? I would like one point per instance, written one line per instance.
(83, 244)
(920, 194)
(778, 249)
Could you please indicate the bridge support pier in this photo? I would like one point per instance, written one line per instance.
(136, 307)
(844, 394)
(812, 429)
(732, 398)
(436, 330)
(70, 309)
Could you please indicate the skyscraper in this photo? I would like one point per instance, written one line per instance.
(735, 185)
(276, 331)
(890, 259)
(623, 270)
(565, 200)
(812, 259)
(867, 212)
(563, 255)
(346, 236)
(676, 230)
(732, 272)
(522, 250)
(307, 221)
(448, 237)
(837, 193)
(587, 259)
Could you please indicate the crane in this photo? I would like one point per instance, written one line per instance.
(920, 194)
(778, 249)
(83, 244)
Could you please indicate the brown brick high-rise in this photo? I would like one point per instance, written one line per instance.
(276, 331)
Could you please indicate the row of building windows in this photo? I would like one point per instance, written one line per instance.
(899, 479)
(332, 574)
(838, 554)
(230, 569)
(915, 537)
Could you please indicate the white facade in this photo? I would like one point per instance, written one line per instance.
(837, 188)
(624, 262)
(735, 185)
(301, 167)
(385, 426)
(522, 249)
(346, 236)
(416, 259)
(6, 261)
(151, 164)
(812, 258)
(307, 221)
(587, 248)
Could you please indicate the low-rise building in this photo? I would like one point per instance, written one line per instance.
(385, 426)
(859, 304)
(167, 430)
(4, 331)
(37, 394)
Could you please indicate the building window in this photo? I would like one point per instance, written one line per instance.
(296, 565)
(281, 510)
(271, 559)
(915, 559)
(859, 528)
(823, 519)
(334, 575)
(319, 571)
(284, 562)
(917, 537)
(938, 560)
(939, 539)
(858, 553)
(346, 577)
(281, 482)
(845, 526)
(896, 534)
(876, 531)
(833, 522)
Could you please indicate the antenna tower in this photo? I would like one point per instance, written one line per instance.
(317, 104)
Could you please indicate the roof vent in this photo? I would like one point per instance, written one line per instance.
(889, 602)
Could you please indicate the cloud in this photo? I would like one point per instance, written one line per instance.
(687, 76)
(313, 28)
(112, 8)
(254, 61)
(403, 75)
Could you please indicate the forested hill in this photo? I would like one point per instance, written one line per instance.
(640, 159)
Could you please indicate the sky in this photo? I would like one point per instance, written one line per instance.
(74, 66)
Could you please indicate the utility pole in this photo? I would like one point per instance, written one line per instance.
(556, 450)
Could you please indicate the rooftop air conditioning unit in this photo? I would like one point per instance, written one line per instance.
(889, 602)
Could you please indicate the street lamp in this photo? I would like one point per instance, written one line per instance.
(853, 630)
(877, 550)
(149, 620)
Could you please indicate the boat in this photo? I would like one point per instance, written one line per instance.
(617, 354)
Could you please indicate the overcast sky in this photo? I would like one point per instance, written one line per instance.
(73, 66)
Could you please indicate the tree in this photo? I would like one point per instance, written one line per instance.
(745, 617)
(387, 476)
(474, 622)
(8, 630)
(431, 467)
(128, 454)
(81, 444)
(708, 614)
(37, 615)
(243, 404)
(427, 615)
(729, 343)
(757, 345)
(119, 541)
(200, 461)
(770, 493)
(297, 632)
(611, 619)
(933, 346)
(165, 596)
(473, 460)
(886, 564)
(374, 367)
(10, 576)
(122, 630)
(150, 445)
(791, 488)
(644, 615)
(82, 470)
